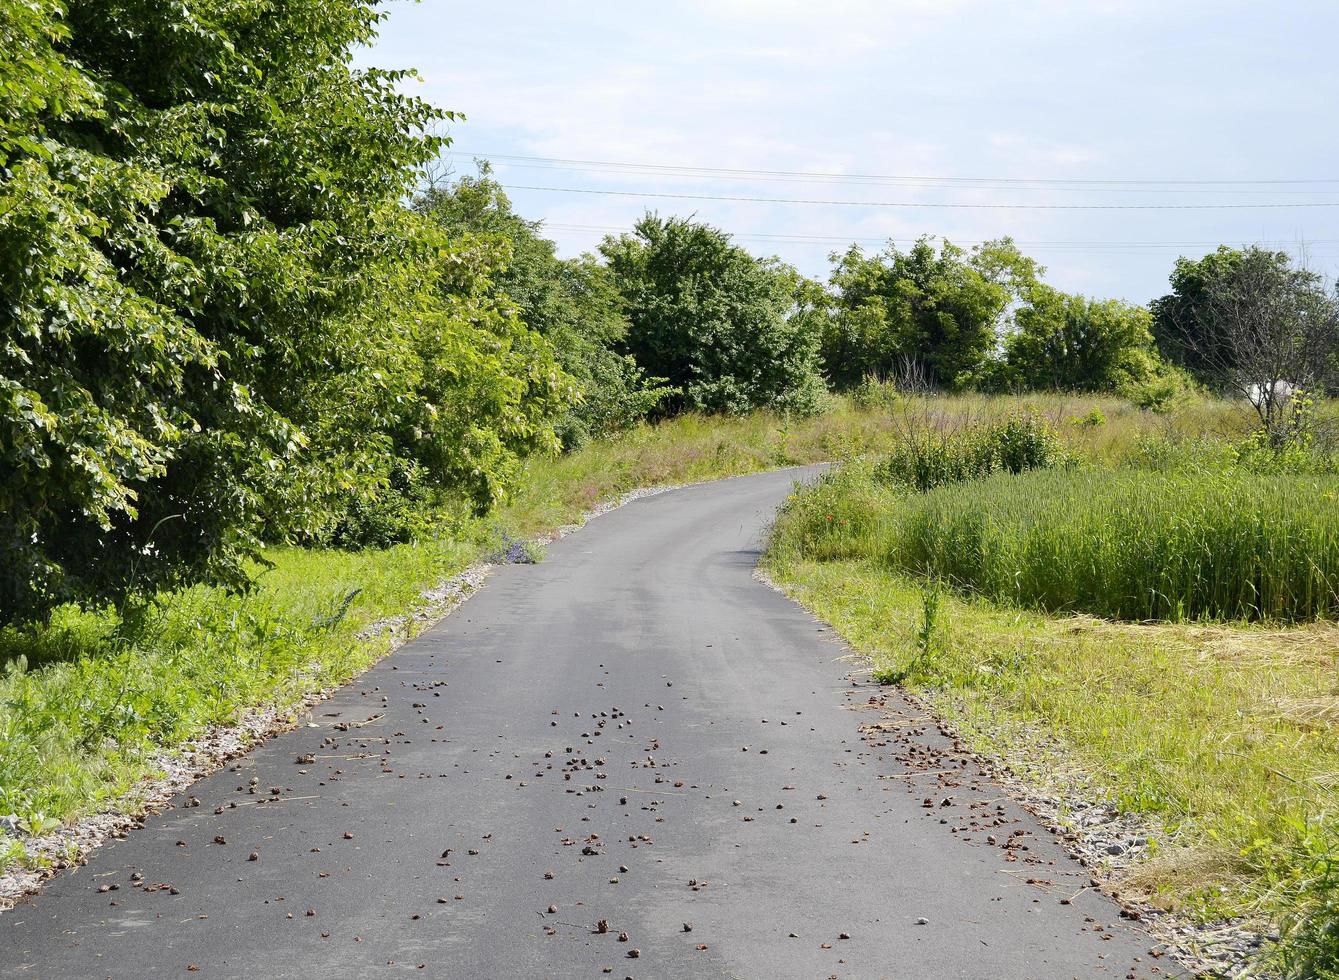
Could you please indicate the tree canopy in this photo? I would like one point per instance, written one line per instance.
(939, 308)
(1238, 317)
(572, 302)
(713, 319)
(219, 320)
(1074, 343)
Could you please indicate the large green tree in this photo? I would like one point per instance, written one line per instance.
(1183, 324)
(716, 321)
(1237, 318)
(934, 312)
(219, 320)
(571, 302)
(1073, 343)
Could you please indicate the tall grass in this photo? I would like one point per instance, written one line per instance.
(1224, 731)
(1134, 546)
(87, 700)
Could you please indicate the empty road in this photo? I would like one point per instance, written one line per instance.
(632, 759)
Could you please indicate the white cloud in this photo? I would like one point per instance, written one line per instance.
(914, 87)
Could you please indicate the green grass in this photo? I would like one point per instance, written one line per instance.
(86, 701)
(1226, 734)
(1130, 545)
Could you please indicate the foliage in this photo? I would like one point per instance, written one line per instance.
(220, 323)
(1133, 546)
(1183, 325)
(874, 392)
(939, 309)
(929, 455)
(571, 302)
(713, 319)
(1162, 391)
(1241, 318)
(1309, 947)
(1073, 343)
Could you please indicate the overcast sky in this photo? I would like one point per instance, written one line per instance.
(1057, 90)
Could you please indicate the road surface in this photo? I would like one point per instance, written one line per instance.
(632, 759)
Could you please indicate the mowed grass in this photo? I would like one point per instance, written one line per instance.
(1225, 732)
(1226, 735)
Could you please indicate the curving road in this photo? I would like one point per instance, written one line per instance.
(634, 732)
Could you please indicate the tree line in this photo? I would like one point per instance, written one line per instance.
(233, 313)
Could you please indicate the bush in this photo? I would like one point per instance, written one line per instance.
(874, 392)
(1161, 391)
(929, 456)
(394, 513)
(1135, 546)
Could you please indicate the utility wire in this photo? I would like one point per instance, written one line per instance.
(740, 172)
(935, 204)
(612, 229)
(1095, 187)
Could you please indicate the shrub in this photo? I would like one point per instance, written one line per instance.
(874, 392)
(929, 456)
(1161, 391)
(394, 513)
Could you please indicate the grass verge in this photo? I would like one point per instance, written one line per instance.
(1226, 736)
(87, 701)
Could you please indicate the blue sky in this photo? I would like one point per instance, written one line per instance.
(1080, 92)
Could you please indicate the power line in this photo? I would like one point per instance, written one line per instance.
(935, 204)
(757, 173)
(1057, 185)
(1324, 246)
(572, 226)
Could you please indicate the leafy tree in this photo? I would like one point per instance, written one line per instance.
(1074, 343)
(713, 319)
(571, 302)
(939, 309)
(1182, 325)
(1251, 323)
(204, 335)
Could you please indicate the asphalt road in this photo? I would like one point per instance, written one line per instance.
(633, 732)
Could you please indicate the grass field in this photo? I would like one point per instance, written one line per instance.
(1025, 603)
(86, 702)
(1129, 545)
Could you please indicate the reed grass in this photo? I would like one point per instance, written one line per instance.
(1132, 546)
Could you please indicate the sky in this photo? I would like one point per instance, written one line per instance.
(899, 108)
